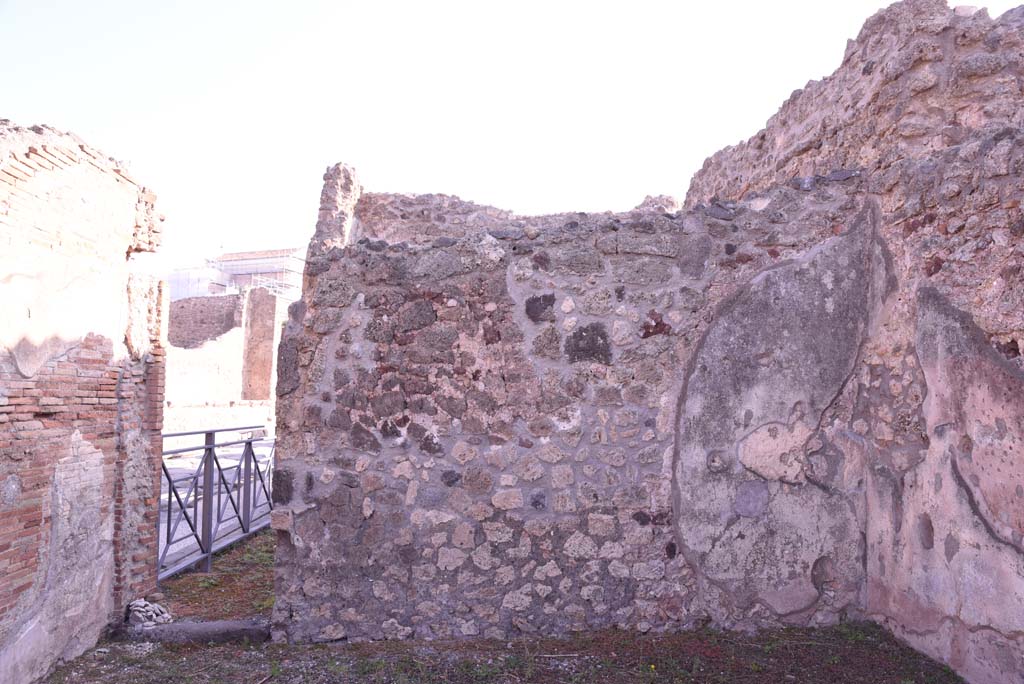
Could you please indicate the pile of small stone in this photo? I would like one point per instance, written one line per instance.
(142, 613)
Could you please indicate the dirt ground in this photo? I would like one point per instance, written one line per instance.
(241, 585)
(848, 654)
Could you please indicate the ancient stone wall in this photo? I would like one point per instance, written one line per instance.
(196, 320)
(797, 401)
(398, 217)
(478, 435)
(81, 392)
(929, 105)
(221, 362)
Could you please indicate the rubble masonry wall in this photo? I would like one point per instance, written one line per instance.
(798, 400)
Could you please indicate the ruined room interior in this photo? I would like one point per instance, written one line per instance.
(792, 398)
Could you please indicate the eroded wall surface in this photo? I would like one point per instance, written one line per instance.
(478, 435)
(795, 402)
(81, 390)
(928, 106)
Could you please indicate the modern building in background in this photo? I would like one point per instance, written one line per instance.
(223, 329)
(277, 270)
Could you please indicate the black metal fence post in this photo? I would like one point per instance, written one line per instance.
(247, 458)
(208, 504)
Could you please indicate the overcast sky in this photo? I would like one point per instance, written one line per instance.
(231, 111)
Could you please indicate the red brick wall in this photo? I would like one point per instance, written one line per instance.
(82, 391)
(136, 494)
(81, 397)
(262, 328)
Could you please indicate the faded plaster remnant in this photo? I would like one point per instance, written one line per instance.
(775, 451)
(771, 363)
(926, 108)
(977, 402)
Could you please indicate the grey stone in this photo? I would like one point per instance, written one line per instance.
(540, 308)
(589, 343)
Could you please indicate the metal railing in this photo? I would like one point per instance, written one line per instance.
(211, 499)
(278, 288)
